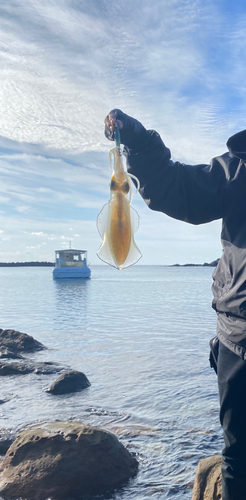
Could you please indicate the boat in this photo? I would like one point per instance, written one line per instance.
(71, 264)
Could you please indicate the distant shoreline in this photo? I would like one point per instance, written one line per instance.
(52, 264)
(27, 264)
(211, 264)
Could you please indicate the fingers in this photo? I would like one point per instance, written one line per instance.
(110, 121)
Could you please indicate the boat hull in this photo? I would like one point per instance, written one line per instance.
(71, 272)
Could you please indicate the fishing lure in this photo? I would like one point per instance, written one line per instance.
(118, 221)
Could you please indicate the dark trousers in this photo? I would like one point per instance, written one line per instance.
(232, 391)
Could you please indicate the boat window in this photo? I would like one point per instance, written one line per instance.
(76, 257)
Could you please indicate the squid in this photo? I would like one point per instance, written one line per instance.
(118, 221)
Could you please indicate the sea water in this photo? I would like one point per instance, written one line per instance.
(141, 336)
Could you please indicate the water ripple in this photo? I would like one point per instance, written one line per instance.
(141, 337)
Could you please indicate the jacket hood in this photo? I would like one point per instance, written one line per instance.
(237, 145)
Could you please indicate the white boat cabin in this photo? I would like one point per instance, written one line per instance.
(71, 258)
(71, 264)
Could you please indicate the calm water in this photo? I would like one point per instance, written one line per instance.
(141, 336)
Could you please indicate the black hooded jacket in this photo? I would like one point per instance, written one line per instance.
(199, 194)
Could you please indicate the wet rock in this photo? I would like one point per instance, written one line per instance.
(44, 368)
(5, 400)
(14, 369)
(63, 460)
(7, 354)
(207, 485)
(69, 381)
(6, 439)
(19, 342)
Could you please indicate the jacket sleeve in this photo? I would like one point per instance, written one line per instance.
(191, 193)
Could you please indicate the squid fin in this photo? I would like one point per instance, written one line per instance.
(134, 254)
(134, 220)
(102, 222)
(133, 257)
(104, 253)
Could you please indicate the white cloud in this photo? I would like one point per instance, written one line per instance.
(177, 67)
(4, 199)
(54, 97)
(23, 209)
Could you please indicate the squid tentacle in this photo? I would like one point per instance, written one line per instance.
(135, 179)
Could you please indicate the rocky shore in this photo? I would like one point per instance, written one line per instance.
(56, 460)
(60, 460)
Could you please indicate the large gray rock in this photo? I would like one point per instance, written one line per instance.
(69, 381)
(63, 460)
(207, 485)
(19, 342)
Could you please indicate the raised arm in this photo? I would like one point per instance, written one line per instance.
(192, 193)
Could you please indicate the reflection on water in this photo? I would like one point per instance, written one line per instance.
(71, 286)
(141, 337)
(71, 298)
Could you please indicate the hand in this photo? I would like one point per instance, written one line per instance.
(132, 133)
(110, 121)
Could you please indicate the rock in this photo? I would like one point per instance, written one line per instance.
(207, 485)
(69, 381)
(64, 460)
(7, 354)
(6, 439)
(5, 400)
(45, 368)
(14, 369)
(19, 342)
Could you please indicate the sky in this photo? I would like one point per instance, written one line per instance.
(178, 66)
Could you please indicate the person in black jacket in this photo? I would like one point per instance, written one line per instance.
(198, 194)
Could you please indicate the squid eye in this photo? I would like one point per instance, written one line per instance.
(126, 187)
(113, 185)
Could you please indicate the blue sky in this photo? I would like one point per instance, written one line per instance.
(178, 66)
